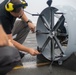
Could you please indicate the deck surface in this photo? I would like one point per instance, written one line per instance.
(31, 67)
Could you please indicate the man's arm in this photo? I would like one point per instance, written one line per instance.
(3, 37)
(30, 24)
(21, 47)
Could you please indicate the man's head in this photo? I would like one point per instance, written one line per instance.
(15, 5)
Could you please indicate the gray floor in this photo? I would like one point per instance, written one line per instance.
(31, 67)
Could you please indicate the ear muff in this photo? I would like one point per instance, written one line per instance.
(24, 3)
(10, 6)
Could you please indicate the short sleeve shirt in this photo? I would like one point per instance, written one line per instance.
(6, 19)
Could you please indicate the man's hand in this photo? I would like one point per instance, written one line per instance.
(33, 52)
(31, 26)
(10, 43)
(3, 37)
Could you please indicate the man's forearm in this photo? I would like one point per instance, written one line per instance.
(24, 48)
(24, 17)
(17, 45)
(20, 47)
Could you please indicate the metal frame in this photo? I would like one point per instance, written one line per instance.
(52, 32)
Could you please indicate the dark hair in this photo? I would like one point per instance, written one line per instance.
(16, 2)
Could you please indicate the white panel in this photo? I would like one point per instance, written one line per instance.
(71, 22)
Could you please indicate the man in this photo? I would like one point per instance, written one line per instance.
(9, 55)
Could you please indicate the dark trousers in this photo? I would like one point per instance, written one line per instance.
(20, 31)
(5, 69)
(9, 58)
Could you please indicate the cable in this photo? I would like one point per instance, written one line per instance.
(31, 13)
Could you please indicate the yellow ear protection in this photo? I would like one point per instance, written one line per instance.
(10, 6)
